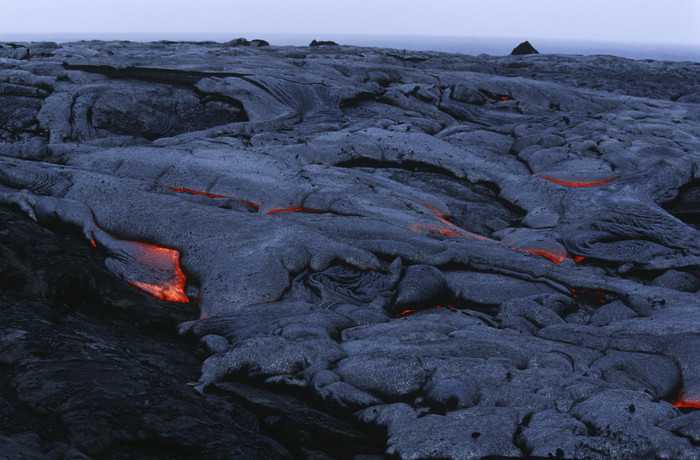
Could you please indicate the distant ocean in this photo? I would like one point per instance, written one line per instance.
(465, 45)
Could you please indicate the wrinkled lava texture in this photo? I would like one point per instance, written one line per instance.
(228, 251)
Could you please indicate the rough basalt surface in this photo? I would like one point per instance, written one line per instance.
(358, 252)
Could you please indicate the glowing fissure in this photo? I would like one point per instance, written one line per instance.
(434, 307)
(578, 183)
(556, 258)
(600, 297)
(453, 230)
(212, 195)
(249, 203)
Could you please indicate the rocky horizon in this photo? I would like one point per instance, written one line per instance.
(235, 250)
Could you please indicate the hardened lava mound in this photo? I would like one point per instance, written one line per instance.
(375, 252)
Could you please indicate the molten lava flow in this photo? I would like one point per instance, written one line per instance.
(686, 403)
(211, 195)
(170, 282)
(314, 211)
(578, 183)
(578, 259)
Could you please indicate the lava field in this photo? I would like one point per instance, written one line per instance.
(236, 250)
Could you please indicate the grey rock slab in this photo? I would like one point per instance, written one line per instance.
(465, 434)
(491, 289)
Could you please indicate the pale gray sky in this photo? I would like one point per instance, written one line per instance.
(651, 21)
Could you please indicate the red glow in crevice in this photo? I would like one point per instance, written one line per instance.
(600, 297)
(449, 229)
(249, 203)
(434, 307)
(212, 195)
(453, 230)
(683, 400)
(556, 258)
(578, 183)
(195, 192)
(686, 403)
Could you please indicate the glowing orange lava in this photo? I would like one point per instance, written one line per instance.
(686, 403)
(170, 283)
(578, 183)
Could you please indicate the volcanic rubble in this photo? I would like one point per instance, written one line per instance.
(226, 251)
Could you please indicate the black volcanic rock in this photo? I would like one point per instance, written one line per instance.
(465, 256)
(524, 48)
(258, 42)
(238, 42)
(322, 43)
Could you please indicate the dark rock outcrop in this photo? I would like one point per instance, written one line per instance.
(322, 43)
(524, 48)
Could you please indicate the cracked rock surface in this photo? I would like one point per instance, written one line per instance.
(460, 256)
